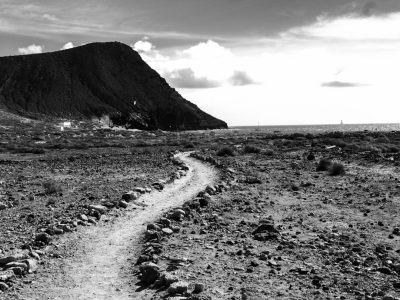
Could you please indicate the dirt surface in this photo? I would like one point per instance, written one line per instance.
(95, 261)
(286, 231)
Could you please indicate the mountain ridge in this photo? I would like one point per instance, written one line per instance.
(94, 80)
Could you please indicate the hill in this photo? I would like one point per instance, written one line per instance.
(95, 80)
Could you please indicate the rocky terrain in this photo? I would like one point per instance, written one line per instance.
(292, 216)
(94, 81)
(283, 230)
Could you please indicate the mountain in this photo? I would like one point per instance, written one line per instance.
(95, 80)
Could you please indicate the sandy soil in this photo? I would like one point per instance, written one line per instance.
(95, 261)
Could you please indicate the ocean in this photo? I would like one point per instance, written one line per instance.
(321, 128)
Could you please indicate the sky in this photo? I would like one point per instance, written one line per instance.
(248, 62)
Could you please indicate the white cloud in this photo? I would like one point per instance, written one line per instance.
(32, 49)
(293, 72)
(68, 45)
(143, 46)
(351, 28)
(187, 79)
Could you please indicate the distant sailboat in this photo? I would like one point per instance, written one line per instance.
(341, 123)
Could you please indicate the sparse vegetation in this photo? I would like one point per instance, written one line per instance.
(51, 187)
(336, 169)
(226, 151)
(251, 149)
(324, 164)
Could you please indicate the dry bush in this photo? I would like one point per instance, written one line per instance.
(251, 149)
(226, 151)
(336, 169)
(51, 187)
(324, 164)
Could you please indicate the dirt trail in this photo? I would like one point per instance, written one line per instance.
(98, 267)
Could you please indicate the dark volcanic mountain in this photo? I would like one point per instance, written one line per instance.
(95, 80)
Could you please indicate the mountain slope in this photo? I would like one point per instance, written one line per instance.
(95, 80)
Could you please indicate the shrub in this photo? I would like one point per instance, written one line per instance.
(189, 145)
(251, 149)
(226, 151)
(51, 187)
(336, 169)
(268, 152)
(324, 164)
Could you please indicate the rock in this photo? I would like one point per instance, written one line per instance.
(3, 286)
(142, 259)
(384, 270)
(32, 265)
(311, 156)
(18, 270)
(203, 202)
(43, 238)
(123, 204)
(16, 264)
(107, 203)
(167, 231)
(198, 288)
(6, 275)
(388, 297)
(140, 190)
(252, 180)
(177, 215)
(158, 186)
(178, 287)
(153, 235)
(130, 196)
(83, 217)
(6, 260)
(100, 208)
(265, 231)
(152, 226)
(2, 206)
(211, 190)
(168, 279)
(35, 255)
(396, 284)
(150, 272)
(396, 231)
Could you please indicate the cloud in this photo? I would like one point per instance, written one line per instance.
(143, 46)
(186, 78)
(340, 84)
(349, 28)
(32, 49)
(240, 78)
(207, 50)
(68, 45)
(368, 9)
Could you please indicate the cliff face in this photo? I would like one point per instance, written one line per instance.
(95, 80)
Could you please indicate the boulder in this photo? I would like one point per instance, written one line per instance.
(178, 287)
(32, 265)
(150, 272)
(43, 238)
(167, 231)
(130, 196)
(123, 204)
(100, 208)
(2, 206)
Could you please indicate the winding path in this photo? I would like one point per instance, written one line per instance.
(99, 265)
